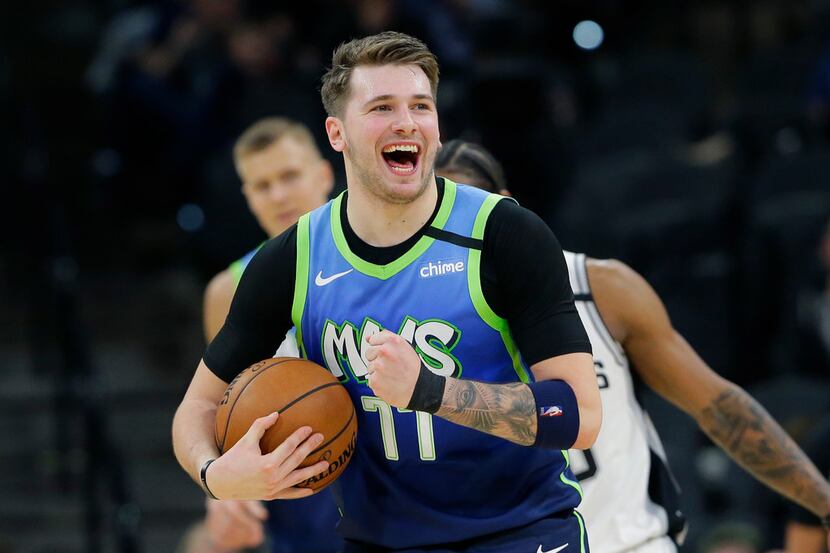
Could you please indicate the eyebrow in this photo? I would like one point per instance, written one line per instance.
(384, 97)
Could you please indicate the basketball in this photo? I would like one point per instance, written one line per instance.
(304, 394)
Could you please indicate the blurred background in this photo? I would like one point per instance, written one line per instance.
(687, 138)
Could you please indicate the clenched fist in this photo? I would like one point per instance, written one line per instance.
(393, 368)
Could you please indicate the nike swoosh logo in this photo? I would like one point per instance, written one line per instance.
(320, 281)
(556, 550)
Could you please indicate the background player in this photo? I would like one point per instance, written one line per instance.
(629, 328)
(395, 223)
(283, 176)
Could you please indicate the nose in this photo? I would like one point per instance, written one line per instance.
(276, 192)
(404, 123)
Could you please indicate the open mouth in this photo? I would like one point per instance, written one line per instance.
(402, 159)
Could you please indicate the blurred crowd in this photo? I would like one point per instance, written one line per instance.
(693, 142)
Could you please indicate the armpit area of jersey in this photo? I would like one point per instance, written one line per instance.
(260, 313)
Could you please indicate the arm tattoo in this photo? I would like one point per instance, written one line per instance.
(742, 428)
(504, 410)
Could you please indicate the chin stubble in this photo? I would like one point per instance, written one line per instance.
(374, 183)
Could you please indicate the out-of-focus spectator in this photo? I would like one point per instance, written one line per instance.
(163, 79)
(268, 75)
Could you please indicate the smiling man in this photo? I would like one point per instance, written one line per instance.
(443, 463)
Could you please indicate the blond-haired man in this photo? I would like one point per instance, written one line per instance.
(283, 177)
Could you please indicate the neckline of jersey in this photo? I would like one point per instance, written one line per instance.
(438, 220)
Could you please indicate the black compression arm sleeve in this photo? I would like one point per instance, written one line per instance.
(525, 280)
(260, 313)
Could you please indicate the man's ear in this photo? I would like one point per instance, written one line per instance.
(334, 130)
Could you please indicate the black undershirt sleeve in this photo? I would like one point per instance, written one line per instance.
(260, 313)
(525, 280)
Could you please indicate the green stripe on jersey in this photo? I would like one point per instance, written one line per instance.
(236, 268)
(301, 280)
(477, 294)
(389, 270)
(581, 531)
(565, 479)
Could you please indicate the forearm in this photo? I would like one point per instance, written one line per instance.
(743, 428)
(193, 439)
(504, 410)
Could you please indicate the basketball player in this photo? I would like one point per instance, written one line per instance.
(283, 176)
(397, 287)
(630, 503)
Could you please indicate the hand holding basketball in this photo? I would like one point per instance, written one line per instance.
(244, 472)
(393, 368)
(286, 428)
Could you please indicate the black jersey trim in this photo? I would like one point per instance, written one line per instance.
(583, 297)
(604, 333)
(664, 491)
(453, 238)
(594, 313)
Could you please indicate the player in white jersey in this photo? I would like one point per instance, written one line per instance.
(629, 328)
(616, 472)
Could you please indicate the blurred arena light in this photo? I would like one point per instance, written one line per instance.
(190, 217)
(588, 35)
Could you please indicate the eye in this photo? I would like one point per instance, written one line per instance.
(259, 186)
(382, 107)
(290, 177)
(423, 106)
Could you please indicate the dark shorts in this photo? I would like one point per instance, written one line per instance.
(563, 533)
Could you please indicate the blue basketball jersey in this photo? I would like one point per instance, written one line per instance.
(300, 525)
(416, 479)
(303, 525)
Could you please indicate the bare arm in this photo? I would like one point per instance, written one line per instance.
(217, 303)
(509, 410)
(230, 525)
(725, 412)
(193, 441)
(504, 410)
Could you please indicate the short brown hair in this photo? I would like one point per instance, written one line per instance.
(270, 130)
(389, 47)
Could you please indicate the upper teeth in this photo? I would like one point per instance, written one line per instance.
(401, 148)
